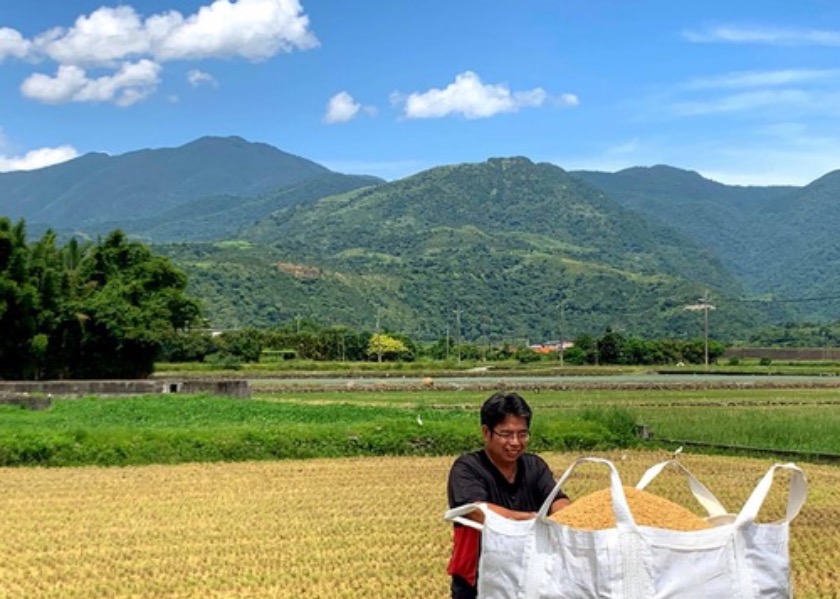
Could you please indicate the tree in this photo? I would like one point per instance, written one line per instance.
(18, 303)
(611, 348)
(125, 303)
(93, 311)
(585, 348)
(246, 345)
(187, 346)
(381, 345)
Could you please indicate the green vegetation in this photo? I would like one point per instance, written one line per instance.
(779, 242)
(170, 429)
(204, 190)
(173, 428)
(94, 310)
(810, 428)
(338, 348)
(504, 251)
(522, 251)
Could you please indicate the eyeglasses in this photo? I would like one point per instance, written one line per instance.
(521, 436)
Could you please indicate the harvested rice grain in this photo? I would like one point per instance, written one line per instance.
(595, 512)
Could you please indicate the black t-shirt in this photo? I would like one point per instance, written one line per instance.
(474, 478)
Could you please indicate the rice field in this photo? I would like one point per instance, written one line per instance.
(337, 528)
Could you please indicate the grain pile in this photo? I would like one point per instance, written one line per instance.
(595, 512)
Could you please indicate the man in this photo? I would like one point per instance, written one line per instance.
(512, 482)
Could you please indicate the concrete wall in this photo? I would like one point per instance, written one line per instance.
(36, 394)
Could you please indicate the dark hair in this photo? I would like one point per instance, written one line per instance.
(500, 405)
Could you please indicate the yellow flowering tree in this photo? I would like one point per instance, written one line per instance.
(384, 345)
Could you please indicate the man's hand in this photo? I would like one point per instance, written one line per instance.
(558, 505)
(478, 515)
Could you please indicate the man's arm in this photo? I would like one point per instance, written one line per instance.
(558, 504)
(478, 515)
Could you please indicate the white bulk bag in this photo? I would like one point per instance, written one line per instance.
(543, 559)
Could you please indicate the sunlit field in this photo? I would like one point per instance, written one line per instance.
(352, 527)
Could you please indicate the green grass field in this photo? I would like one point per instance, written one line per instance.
(181, 428)
(787, 419)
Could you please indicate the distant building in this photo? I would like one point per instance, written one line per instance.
(548, 347)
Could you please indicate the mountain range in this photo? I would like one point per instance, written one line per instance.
(505, 248)
(206, 189)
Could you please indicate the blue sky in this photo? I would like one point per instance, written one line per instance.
(744, 92)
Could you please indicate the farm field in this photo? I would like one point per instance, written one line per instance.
(786, 419)
(337, 528)
(169, 428)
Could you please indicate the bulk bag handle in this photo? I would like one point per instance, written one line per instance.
(456, 514)
(623, 516)
(701, 493)
(621, 508)
(797, 493)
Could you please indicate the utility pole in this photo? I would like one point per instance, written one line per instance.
(560, 334)
(704, 305)
(447, 341)
(488, 327)
(458, 333)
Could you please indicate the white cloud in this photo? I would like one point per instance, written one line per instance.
(744, 79)
(120, 39)
(341, 108)
(782, 93)
(754, 102)
(736, 34)
(471, 98)
(253, 29)
(197, 78)
(13, 44)
(132, 83)
(101, 38)
(35, 159)
(567, 100)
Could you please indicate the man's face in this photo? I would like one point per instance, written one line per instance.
(507, 440)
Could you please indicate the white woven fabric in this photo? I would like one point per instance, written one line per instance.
(542, 559)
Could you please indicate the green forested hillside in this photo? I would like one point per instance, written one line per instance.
(718, 217)
(503, 248)
(507, 247)
(800, 256)
(167, 192)
(780, 242)
(221, 217)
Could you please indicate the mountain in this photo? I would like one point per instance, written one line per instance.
(780, 242)
(503, 247)
(165, 193)
(798, 255)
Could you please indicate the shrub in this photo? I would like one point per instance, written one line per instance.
(526, 356)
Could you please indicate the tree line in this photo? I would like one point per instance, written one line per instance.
(111, 308)
(309, 341)
(96, 309)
